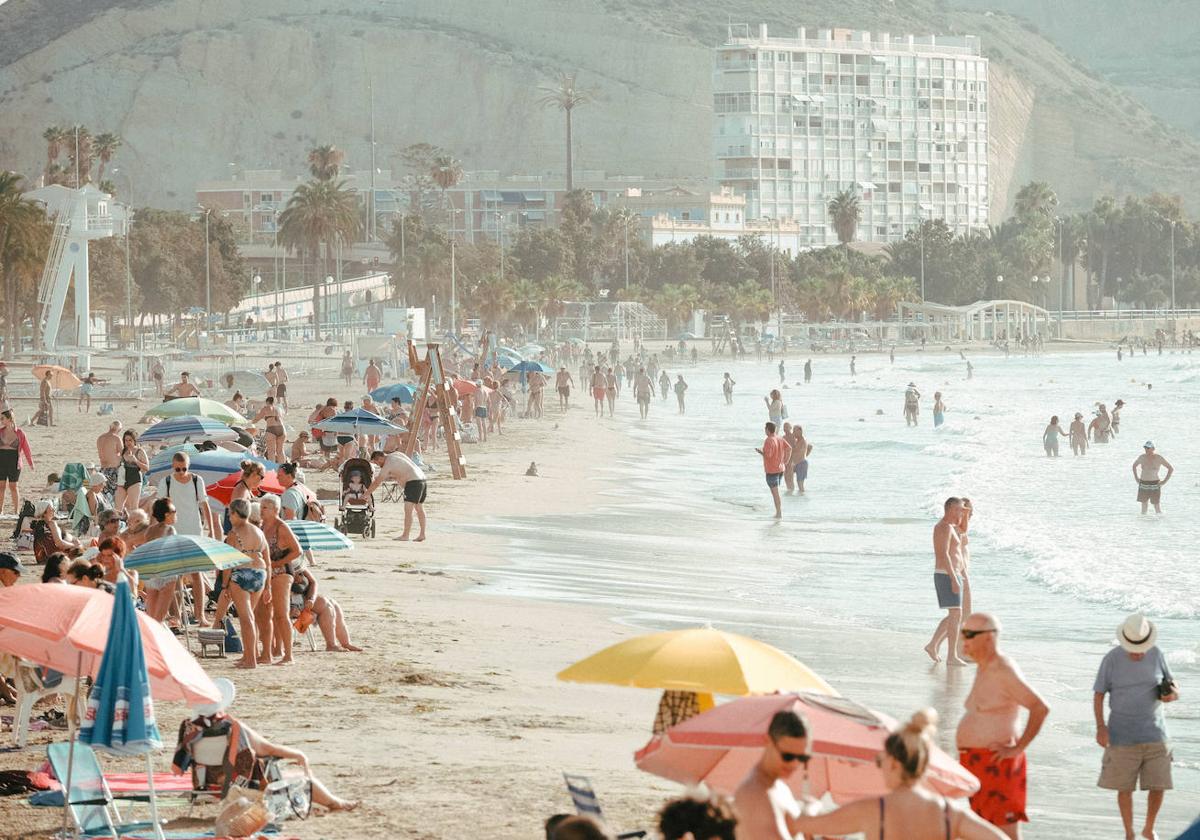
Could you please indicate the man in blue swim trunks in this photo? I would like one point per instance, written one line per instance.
(947, 581)
(775, 453)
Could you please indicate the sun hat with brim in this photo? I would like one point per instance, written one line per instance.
(228, 692)
(42, 506)
(1137, 634)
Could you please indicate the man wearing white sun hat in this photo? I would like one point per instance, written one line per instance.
(1137, 681)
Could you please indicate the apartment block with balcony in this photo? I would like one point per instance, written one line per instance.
(902, 121)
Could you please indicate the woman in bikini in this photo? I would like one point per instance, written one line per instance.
(135, 463)
(273, 416)
(246, 585)
(160, 593)
(910, 811)
(272, 614)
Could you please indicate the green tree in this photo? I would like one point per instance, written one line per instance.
(24, 243)
(446, 172)
(417, 163)
(566, 95)
(105, 146)
(540, 253)
(55, 136)
(325, 162)
(318, 217)
(845, 213)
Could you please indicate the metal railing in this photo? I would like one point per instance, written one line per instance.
(1123, 314)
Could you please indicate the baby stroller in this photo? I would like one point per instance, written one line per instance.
(356, 507)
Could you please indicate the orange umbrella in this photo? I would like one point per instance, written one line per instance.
(66, 628)
(60, 378)
(222, 491)
(464, 387)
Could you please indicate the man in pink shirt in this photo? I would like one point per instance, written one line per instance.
(775, 452)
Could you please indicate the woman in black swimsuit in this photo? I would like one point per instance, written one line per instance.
(12, 445)
(276, 435)
(134, 465)
(910, 810)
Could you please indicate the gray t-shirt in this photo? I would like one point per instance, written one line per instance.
(1135, 712)
(293, 500)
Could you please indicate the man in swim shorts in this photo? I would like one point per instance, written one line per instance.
(599, 389)
(947, 581)
(1149, 484)
(990, 744)
(775, 453)
(563, 382)
(643, 390)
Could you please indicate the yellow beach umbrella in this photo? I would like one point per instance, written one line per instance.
(698, 659)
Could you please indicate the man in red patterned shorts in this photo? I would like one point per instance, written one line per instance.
(990, 743)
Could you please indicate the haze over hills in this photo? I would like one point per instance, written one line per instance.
(193, 86)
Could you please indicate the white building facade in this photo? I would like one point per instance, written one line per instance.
(902, 121)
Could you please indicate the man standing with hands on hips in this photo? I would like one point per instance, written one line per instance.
(1137, 681)
(1149, 485)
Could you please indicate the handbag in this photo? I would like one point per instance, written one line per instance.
(242, 813)
(288, 791)
(233, 642)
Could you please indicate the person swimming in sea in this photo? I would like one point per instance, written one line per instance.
(1079, 436)
(1050, 437)
(939, 409)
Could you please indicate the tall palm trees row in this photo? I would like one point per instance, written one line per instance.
(82, 150)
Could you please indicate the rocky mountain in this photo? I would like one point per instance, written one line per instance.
(194, 85)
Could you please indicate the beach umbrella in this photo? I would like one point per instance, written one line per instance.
(317, 536)
(120, 710)
(359, 422)
(244, 380)
(188, 428)
(197, 407)
(532, 350)
(531, 366)
(464, 387)
(406, 393)
(697, 659)
(182, 554)
(61, 379)
(721, 746)
(211, 465)
(222, 491)
(66, 628)
(1192, 833)
(508, 351)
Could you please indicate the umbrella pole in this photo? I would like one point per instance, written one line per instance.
(71, 749)
(158, 831)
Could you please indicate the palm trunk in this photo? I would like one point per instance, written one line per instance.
(570, 174)
(317, 280)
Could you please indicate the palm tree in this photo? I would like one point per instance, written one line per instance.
(845, 214)
(319, 216)
(325, 162)
(566, 95)
(527, 300)
(105, 146)
(1036, 200)
(494, 301)
(23, 245)
(446, 172)
(555, 293)
(54, 136)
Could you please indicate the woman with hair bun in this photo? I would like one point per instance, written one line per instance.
(910, 811)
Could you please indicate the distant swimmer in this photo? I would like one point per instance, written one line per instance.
(1118, 352)
(1050, 437)
(680, 389)
(1101, 425)
(1115, 417)
(970, 370)
(782, 372)
(912, 404)
(799, 460)
(1079, 437)
(664, 384)
(776, 410)
(1148, 482)
(808, 371)
(947, 580)
(939, 409)
(775, 453)
(892, 354)
(852, 359)
(727, 388)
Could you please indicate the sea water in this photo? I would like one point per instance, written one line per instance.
(683, 534)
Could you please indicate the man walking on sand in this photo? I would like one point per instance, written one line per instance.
(108, 450)
(401, 469)
(947, 581)
(599, 389)
(1137, 681)
(765, 805)
(643, 390)
(775, 453)
(1149, 484)
(989, 743)
(562, 384)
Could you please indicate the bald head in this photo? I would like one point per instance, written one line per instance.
(982, 621)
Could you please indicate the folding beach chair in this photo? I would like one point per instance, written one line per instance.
(392, 491)
(89, 800)
(587, 804)
(31, 687)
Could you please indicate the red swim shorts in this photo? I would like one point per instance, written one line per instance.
(1001, 796)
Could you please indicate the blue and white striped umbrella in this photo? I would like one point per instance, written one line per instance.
(182, 554)
(211, 466)
(359, 422)
(385, 394)
(317, 536)
(190, 427)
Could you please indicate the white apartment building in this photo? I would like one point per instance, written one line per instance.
(900, 120)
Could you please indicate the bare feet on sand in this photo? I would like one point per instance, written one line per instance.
(932, 651)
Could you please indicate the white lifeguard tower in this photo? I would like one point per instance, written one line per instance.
(80, 215)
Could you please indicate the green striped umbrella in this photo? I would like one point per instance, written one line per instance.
(198, 406)
(317, 536)
(183, 554)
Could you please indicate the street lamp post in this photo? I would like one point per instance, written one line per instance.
(1172, 271)
(625, 227)
(207, 269)
(128, 272)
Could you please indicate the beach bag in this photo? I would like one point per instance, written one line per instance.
(242, 813)
(233, 642)
(288, 791)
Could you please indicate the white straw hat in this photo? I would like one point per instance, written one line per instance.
(1137, 634)
(228, 692)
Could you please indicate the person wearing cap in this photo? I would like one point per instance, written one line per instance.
(990, 742)
(1137, 681)
(912, 404)
(10, 569)
(1148, 482)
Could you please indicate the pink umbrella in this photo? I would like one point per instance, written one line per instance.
(66, 628)
(722, 745)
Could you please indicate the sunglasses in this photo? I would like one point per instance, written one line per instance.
(788, 757)
(181, 469)
(971, 634)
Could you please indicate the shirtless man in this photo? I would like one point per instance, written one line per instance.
(281, 381)
(108, 450)
(401, 469)
(599, 389)
(1149, 484)
(990, 743)
(947, 580)
(1100, 426)
(643, 390)
(1079, 436)
(562, 383)
(765, 805)
(184, 387)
